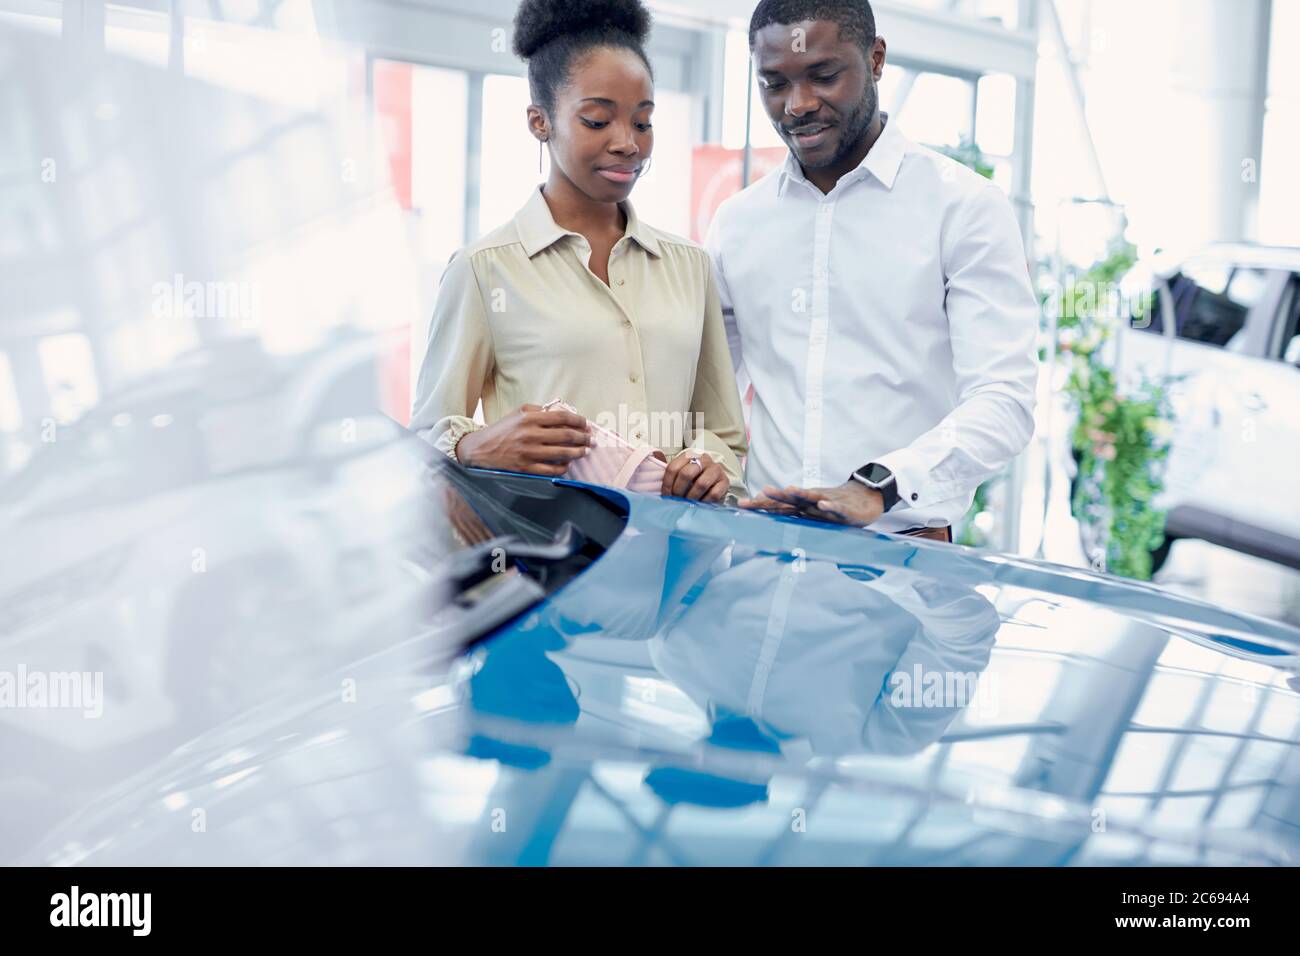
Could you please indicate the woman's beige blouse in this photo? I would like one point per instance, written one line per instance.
(520, 318)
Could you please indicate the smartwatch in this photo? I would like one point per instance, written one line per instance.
(881, 479)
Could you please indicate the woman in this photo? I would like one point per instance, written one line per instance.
(576, 298)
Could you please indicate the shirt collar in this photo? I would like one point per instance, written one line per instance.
(538, 229)
(882, 160)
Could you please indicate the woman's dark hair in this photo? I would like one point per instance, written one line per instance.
(551, 34)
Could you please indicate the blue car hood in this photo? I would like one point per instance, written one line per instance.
(730, 687)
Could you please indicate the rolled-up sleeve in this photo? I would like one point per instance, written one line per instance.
(716, 402)
(457, 361)
(993, 326)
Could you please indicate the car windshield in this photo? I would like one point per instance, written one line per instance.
(513, 540)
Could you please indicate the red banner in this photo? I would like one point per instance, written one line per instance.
(715, 176)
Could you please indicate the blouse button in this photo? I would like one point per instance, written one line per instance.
(622, 282)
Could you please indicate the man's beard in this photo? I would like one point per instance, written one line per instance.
(854, 128)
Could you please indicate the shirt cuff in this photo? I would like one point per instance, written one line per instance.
(911, 479)
(915, 482)
(455, 428)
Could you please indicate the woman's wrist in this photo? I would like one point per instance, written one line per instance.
(463, 449)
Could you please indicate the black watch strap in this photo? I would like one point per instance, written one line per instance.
(877, 476)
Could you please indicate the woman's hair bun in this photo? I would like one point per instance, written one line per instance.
(538, 22)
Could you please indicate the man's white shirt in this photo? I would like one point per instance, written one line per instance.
(890, 320)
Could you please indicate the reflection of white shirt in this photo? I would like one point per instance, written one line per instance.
(890, 320)
(807, 651)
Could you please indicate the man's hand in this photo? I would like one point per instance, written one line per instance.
(851, 503)
(696, 476)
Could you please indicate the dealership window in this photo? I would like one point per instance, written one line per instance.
(439, 119)
(508, 155)
(939, 110)
(283, 61)
(1279, 187)
(738, 85)
(42, 16)
(1005, 12)
(995, 124)
(69, 370)
(11, 414)
(142, 35)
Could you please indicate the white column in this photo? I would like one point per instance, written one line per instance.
(1222, 63)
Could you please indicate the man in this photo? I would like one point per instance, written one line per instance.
(876, 295)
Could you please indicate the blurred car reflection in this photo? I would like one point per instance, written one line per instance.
(232, 527)
(648, 681)
(212, 510)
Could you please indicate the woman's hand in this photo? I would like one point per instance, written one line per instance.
(696, 476)
(529, 440)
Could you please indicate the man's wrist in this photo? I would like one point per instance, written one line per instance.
(875, 500)
(876, 477)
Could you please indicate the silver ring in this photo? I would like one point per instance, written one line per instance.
(695, 461)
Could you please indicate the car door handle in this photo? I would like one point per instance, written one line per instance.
(1255, 402)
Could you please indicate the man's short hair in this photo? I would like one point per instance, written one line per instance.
(854, 17)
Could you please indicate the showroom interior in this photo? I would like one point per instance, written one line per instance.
(1039, 94)
(316, 163)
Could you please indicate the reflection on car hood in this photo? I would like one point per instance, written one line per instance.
(729, 688)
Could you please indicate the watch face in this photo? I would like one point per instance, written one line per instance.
(875, 473)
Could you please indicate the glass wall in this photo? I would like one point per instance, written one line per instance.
(449, 138)
(447, 126)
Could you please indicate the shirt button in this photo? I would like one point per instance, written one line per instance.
(622, 282)
(914, 496)
(633, 378)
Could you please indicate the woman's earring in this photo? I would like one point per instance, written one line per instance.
(540, 149)
(645, 167)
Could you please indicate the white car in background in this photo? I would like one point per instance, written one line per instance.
(1225, 323)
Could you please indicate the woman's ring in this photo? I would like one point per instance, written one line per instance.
(696, 462)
